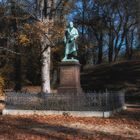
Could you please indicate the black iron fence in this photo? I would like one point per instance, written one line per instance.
(107, 101)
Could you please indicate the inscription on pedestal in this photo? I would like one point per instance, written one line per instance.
(67, 76)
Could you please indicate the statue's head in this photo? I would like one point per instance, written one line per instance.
(71, 24)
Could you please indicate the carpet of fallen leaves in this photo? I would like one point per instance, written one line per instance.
(122, 126)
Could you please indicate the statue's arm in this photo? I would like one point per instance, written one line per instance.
(76, 34)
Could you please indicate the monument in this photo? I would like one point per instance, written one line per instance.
(70, 66)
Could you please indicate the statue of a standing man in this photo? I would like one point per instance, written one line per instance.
(71, 47)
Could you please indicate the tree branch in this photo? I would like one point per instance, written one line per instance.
(9, 50)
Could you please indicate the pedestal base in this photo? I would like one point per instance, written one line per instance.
(70, 78)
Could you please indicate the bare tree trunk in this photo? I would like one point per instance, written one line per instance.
(18, 77)
(127, 47)
(117, 50)
(131, 45)
(100, 51)
(138, 20)
(45, 69)
(46, 8)
(110, 51)
(83, 16)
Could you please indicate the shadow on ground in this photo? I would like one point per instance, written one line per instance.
(29, 127)
(34, 128)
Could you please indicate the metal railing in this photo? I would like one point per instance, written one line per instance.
(70, 102)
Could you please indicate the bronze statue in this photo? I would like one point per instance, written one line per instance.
(71, 47)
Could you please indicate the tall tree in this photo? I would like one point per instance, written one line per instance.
(48, 10)
(41, 17)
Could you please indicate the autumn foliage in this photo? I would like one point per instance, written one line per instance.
(1, 85)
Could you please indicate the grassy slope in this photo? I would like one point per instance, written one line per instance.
(117, 76)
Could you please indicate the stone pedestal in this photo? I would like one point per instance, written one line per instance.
(70, 78)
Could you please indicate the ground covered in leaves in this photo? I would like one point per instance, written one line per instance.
(123, 126)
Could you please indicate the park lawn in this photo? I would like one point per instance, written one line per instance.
(123, 126)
